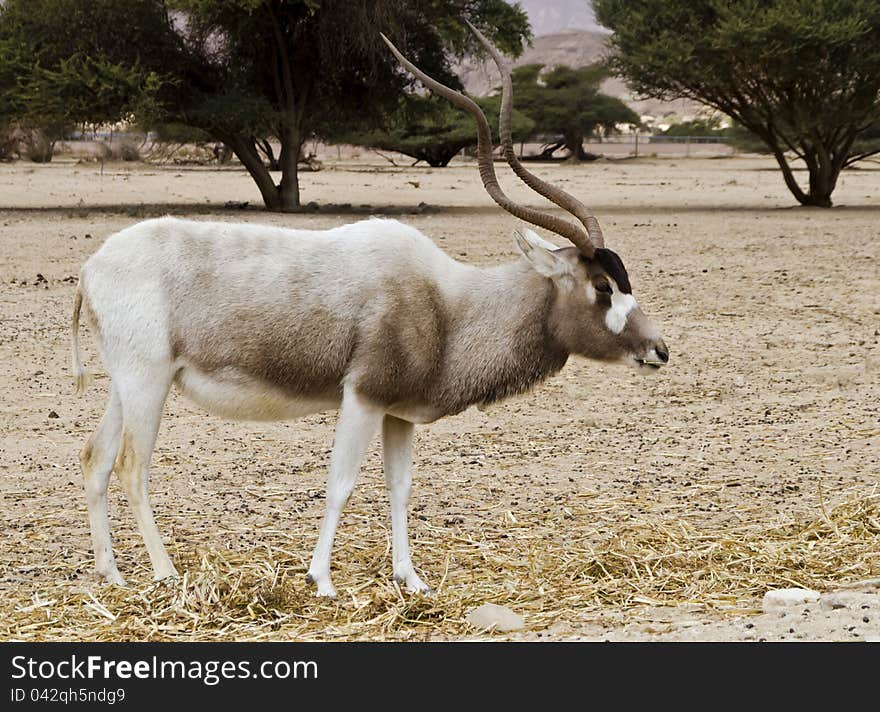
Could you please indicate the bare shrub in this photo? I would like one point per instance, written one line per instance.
(10, 142)
(38, 147)
(85, 151)
(222, 153)
(127, 149)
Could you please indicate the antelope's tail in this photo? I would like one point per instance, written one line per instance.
(81, 378)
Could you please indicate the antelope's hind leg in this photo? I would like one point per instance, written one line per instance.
(142, 401)
(96, 459)
(397, 455)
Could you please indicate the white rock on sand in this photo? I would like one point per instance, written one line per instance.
(865, 586)
(785, 597)
(852, 600)
(493, 617)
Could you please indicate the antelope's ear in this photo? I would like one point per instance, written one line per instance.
(536, 239)
(541, 254)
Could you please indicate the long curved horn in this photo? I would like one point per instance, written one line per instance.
(551, 192)
(561, 227)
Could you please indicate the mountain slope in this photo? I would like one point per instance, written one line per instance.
(575, 48)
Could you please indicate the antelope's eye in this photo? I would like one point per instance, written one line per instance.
(603, 287)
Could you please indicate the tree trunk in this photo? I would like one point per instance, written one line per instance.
(438, 156)
(548, 150)
(266, 147)
(291, 99)
(821, 187)
(277, 198)
(574, 142)
(438, 161)
(822, 181)
(822, 167)
(291, 145)
(247, 153)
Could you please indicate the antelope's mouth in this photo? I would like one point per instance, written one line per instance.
(652, 358)
(644, 363)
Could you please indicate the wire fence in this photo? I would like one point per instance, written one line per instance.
(632, 145)
(637, 144)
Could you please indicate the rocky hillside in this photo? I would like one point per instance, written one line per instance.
(549, 16)
(575, 48)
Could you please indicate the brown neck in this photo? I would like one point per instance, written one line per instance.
(499, 345)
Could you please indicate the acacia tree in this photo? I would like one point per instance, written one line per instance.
(247, 70)
(801, 75)
(430, 129)
(52, 80)
(291, 69)
(567, 102)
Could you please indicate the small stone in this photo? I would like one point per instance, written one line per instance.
(847, 599)
(865, 586)
(692, 608)
(53, 414)
(785, 597)
(492, 617)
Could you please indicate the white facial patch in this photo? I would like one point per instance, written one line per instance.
(621, 305)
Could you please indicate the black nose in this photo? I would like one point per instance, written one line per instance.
(662, 351)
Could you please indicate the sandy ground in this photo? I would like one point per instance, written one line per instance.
(767, 414)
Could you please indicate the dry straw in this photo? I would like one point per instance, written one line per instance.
(568, 565)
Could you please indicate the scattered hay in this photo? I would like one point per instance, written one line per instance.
(572, 563)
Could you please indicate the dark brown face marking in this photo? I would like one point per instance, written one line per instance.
(609, 261)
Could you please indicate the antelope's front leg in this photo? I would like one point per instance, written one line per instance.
(397, 437)
(357, 426)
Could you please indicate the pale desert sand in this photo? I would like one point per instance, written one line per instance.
(766, 417)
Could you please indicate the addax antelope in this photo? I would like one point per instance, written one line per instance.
(372, 319)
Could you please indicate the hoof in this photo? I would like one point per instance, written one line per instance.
(111, 578)
(414, 585)
(325, 588)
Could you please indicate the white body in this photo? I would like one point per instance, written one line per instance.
(122, 282)
(257, 322)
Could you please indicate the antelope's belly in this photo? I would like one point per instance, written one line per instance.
(419, 414)
(233, 394)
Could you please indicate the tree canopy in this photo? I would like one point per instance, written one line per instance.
(430, 129)
(567, 102)
(52, 78)
(247, 70)
(802, 75)
(710, 126)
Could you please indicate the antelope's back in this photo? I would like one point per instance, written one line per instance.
(286, 307)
